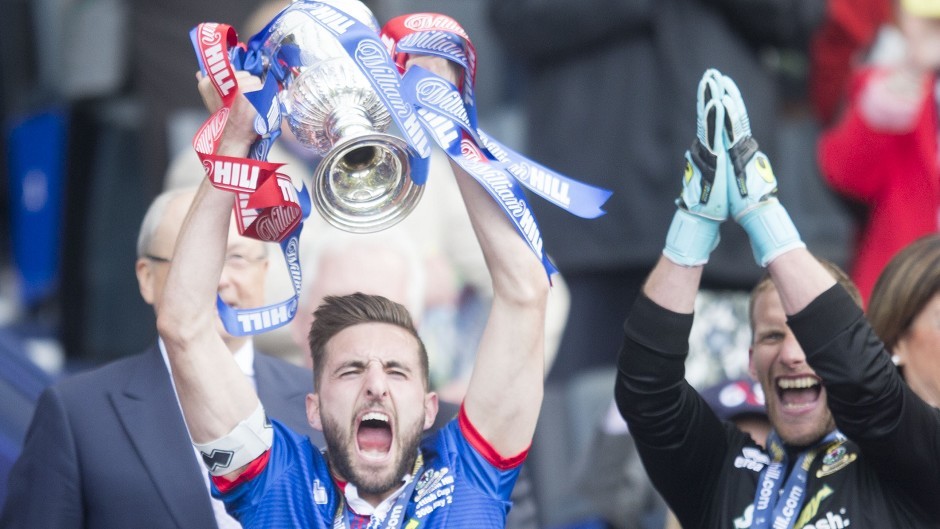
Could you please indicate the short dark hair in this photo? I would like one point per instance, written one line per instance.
(766, 283)
(338, 313)
(905, 286)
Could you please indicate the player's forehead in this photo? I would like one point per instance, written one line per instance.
(372, 341)
(768, 308)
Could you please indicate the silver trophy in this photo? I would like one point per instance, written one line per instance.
(362, 184)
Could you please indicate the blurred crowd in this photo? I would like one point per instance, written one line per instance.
(98, 105)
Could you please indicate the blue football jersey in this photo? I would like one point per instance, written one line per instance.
(458, 486)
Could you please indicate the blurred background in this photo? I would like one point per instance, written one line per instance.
(97, 98)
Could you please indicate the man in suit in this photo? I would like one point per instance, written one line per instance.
(108, 448)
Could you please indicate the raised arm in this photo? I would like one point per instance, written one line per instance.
(213, 392)
(752, 197)
(505, 391)
(702, 207)
(660, 407)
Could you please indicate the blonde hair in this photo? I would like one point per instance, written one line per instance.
(766, 283)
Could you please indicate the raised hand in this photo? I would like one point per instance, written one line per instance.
(752, 186)
(703, 203)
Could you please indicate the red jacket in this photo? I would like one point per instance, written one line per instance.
(847, 31)
(896, 175)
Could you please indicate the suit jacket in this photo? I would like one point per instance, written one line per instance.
(108, 448)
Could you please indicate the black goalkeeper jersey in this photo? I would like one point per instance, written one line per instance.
(885, 476)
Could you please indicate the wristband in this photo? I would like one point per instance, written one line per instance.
(771, 231)
(245, 443)
(691, 239)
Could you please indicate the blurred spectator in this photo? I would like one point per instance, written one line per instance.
(883, 151)
(21, 383)
(599, 89)
(838, 46)
(109, 448)
(740, 401)
(385, 264)
(163, 60)
(905, 310)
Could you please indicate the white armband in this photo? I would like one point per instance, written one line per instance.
(248, 440)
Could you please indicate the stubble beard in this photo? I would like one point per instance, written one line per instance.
(340, 456)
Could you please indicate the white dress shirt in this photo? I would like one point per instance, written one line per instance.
(245, 358)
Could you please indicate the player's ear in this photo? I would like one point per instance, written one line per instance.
(313, 411)
(430, 409)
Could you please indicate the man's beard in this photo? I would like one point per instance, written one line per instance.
(340, 457)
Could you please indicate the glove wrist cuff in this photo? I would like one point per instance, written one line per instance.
(771, 231)
(691, 239)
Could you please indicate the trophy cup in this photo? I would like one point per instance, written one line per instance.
(362, 184)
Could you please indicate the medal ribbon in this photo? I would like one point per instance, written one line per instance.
(267, 206)
(449, 116)
(777, 505)
(341, 519)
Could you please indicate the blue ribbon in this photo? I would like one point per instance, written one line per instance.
(396, 512)
(776, 507)
(575, 197)
(444, 117)
(448, 46)
(451, 117)
(246, 322)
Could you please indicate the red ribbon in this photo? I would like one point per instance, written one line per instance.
(401, 26)
(267, 207)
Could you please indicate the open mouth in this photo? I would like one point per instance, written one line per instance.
(798, 392)
(374, 435)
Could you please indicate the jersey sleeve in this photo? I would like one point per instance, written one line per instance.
(897, 431)
(680, 440)
(481, 466)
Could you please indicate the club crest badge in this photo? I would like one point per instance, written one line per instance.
(836, 458)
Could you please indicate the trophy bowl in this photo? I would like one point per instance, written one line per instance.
(363, 181)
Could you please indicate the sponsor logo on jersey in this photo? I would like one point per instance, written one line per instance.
(830, 520)
(319, 493)
(752, 459)
(425, 478)
(812, 506)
